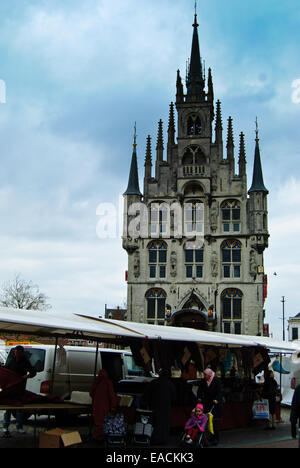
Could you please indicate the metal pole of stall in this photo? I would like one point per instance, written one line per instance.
(96, 359)
(53, 367)
(91, 412)
(280, 373)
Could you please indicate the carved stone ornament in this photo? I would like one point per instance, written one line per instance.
(214, 264)
(214, 216)
(253, 264)
(173, 261)
(136, 264)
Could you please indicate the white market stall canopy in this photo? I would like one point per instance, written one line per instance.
(80, 326)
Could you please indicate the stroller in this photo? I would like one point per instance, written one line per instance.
(201, 439)
(114, 430)
(143, 427)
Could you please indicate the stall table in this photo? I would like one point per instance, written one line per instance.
(45, 408)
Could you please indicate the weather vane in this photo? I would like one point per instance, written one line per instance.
(134, 138)
(256, 130)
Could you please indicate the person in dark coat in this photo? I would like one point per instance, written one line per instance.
(295, 412)
(159, 397)
(210, 395)
(270, 390)
(18, 363)
(104, 400)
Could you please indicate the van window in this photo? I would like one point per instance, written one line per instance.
(36, 357)
(133, 368)
(112, 363)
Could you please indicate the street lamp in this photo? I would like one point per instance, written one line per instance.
(283, 318)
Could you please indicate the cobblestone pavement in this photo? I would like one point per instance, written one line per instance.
(253, 437)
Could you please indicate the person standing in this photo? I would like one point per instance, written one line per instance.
(210, 395)
(104, 400)
(159, 396)
(18, 363)
(295, 412)
(270, 393)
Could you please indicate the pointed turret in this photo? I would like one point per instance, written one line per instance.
(242, 156)
(179, 89)
(230, 145)
(195, 80)
(148, 159)
(133, 182)
(160, 142)
(257, 180)
(258, 210)
(210, 93)
(219, 126)
(171, 128)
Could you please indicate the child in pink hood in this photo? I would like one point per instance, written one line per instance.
(195, 424)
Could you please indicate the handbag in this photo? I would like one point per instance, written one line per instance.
(260, 409)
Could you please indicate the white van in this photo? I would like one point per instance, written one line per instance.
(75, 367)
(290, 380)
(3, 355)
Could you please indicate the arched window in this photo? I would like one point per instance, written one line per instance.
(156, 306)
(231, 258)
(157, 259)
(194, 259)
(231, 300)
(193, 161)
(231, 216)
(159, 219)
(194, 218)
(194, 126)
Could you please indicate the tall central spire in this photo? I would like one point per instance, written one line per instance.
(195, 81)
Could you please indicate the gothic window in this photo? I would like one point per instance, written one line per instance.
(194, 126)
(231, 259)
(231, 303)
(157, 259)
(159, 219)
(193, 259)
(231, 216)
(193, 161)
(194, 218)
(156, 306)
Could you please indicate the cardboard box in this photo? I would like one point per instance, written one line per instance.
(59, 438)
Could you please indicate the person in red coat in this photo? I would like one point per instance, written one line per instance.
(104, 400)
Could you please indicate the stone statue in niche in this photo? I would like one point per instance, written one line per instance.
(253, 264)
(214, 216)
(214, 181)
(136, 264)
(214, 264)
(173, 261)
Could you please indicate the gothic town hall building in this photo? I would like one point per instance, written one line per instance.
(196, 235)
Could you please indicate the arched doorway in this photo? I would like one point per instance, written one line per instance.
(193, 314)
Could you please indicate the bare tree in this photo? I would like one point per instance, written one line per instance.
(21, 294)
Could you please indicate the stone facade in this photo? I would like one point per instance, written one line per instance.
(195, 237)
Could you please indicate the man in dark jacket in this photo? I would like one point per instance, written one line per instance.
(295, 412)
(18, 363)
(159, 396)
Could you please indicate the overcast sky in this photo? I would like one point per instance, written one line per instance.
(78, 74)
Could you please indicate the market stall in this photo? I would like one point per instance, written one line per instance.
(235, 358)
